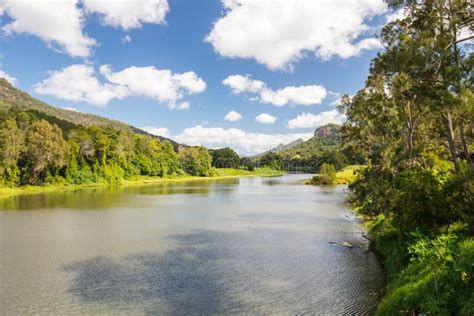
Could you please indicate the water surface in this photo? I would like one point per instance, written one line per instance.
(251, 245)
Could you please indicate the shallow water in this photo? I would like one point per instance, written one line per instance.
(251, 245)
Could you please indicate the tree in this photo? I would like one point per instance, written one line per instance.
(45, 148)
(270, 159)
(225, 158)
(195, 161)
(427, 46)
(11, 145)
(169, 160)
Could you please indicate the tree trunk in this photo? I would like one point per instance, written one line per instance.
(450, 135)
(464, 143)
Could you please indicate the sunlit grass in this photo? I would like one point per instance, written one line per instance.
(348, 174)
(137, 180)
(345, 176)
(264, 172)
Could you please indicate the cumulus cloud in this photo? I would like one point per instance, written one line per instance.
(58, 23)
(241, 84)
(233, 116)
(158, 131)
(246, 143)
(310, 120)
(10, 79)
(158, 84)
(128, 14)
(302, 95)
(283, 31)
(265, 118)
(80, 83)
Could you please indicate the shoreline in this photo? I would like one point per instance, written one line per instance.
(6, 192)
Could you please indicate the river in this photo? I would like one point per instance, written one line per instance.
(248, 245)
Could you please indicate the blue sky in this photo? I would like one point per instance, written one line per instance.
(319, 49)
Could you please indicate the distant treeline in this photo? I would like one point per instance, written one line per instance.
(336, 157)
(37, 149)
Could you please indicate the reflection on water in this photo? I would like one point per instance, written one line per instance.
(103, 197)
(214, 247)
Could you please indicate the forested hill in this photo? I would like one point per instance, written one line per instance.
(327, 138)
(11, 97)
(326, 146)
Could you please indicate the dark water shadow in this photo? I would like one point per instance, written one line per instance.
(206, 274)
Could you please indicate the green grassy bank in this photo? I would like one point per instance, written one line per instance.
(345, 176)
(137, 180)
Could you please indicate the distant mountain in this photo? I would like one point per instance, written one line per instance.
(11, 97)
(328, 131)
(327, 138)
(283, 147)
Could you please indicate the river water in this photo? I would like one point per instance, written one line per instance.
(249, 245)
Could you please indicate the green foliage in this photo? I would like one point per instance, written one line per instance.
(196, 161)
(327, 175)
(225, 158)
(271, 160)
(325, 147)
(45, 150)
(11, 144)
(438, 279)
(412, 125)
(12, 99)
(36, 151)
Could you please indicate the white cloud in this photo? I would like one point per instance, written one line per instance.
(233, 116)
(60, 23)
(265, 118)
(282, 31)
(158, 84)
(309, 120)
(71, 109)
(246, 143)
(126, 39)
(399, 14)
(240, 84)
(80, 83)
(158, 131)
(10, 79)
(302, 95)
(183, 105)
(336, 98)
(56, 22)
(128, 14)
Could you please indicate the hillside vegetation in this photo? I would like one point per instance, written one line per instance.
(13, 98)
(326, 146)
(42, 145)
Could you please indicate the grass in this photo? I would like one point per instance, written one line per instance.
(137, 180)
(262, 172)
(348, 174)
(345, 176)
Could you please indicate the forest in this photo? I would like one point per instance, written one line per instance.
(413, 123)
(37, 149)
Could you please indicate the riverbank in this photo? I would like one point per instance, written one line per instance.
(224, 173)
(425, 272)
(345, 176)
